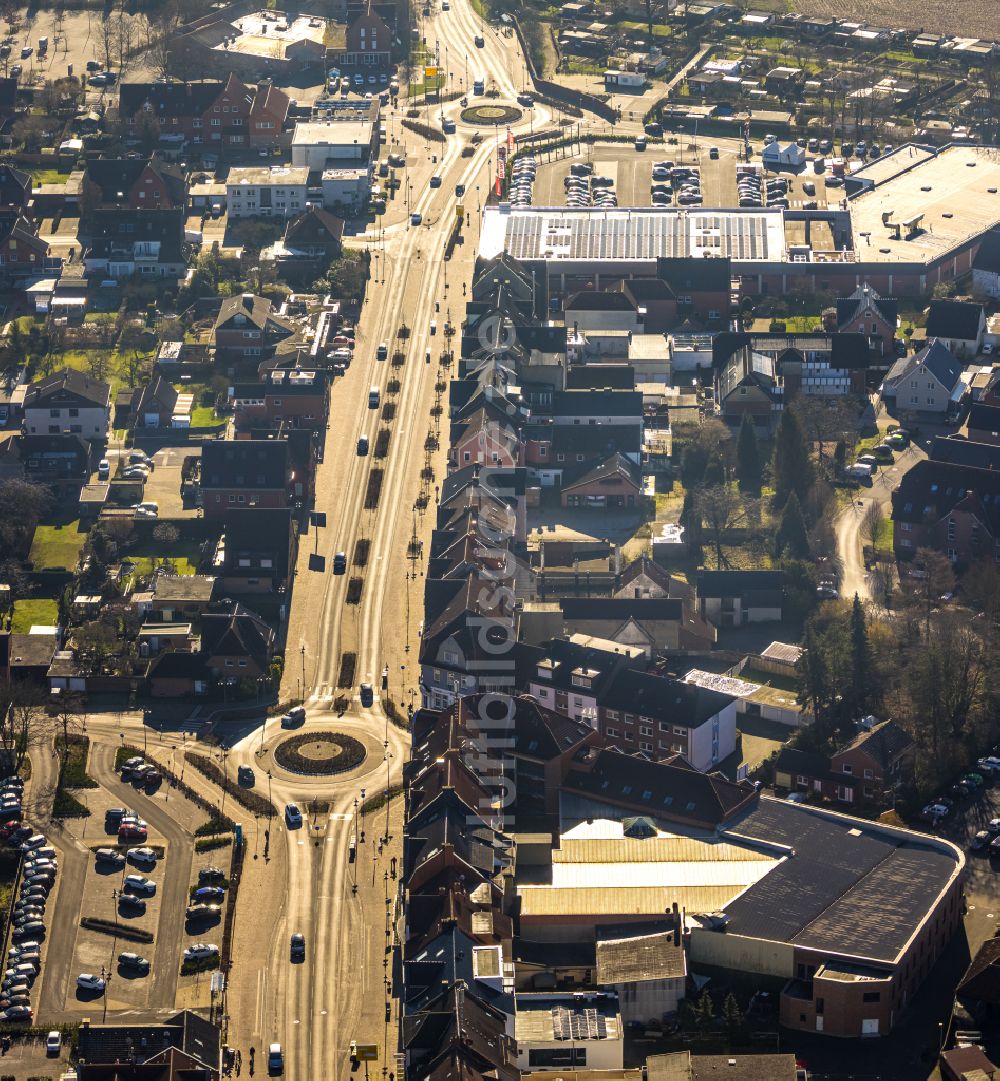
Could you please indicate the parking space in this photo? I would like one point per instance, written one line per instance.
(716, 163)
(209, 872)
(104, 886)
(163, 485)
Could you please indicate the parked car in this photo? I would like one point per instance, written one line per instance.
(981, 841)
(209, 894)
(198, 913)
(199, 951)
(139, 884)
(109, 855)
(53, 1042)
(131, 905)
(211, 874)
(87, 981)
(145, 856)
(133, 961)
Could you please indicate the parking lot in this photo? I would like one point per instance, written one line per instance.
(631, 173)
(171, 821)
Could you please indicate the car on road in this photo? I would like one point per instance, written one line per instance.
(145, 856)
(367, 695)
(134, 961)
(211, 874)
(416, 218)
(275, 1059)
(298, 947)
(293, 816)
(53, 1042)
(526, 100)
(382, 352)
(435, 181)
(340, 563)
(139, 884)
(87, 981)
(362, 446)
(199, 951)
(246, 777)
(109, 855)
(480, 41)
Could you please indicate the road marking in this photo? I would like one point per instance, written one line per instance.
(340, 817)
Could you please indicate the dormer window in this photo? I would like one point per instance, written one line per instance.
(544, 671)
(581, 681)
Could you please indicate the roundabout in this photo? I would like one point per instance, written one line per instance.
(320, 753)
(490, 115)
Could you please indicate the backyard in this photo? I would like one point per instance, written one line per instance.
(37, 612)
(57, 545)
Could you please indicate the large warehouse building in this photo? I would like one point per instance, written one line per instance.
(910, 220)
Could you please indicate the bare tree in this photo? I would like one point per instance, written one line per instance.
(22, 718)
(718, 507)
(872, 523)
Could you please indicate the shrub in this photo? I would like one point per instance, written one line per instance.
(214, 825)
(252, 801)
(200, 964)
(352, 753)
(121, 930)
(429, 133)
(206, 844)
(66, 805)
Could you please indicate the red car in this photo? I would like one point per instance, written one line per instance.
(132, 833)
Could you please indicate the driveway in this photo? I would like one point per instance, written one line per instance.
(853, 576)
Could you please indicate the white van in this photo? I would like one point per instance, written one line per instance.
(859, 470)
(374, 397)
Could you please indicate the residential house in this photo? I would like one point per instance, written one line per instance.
(182, 596)
(979, 989)
(986, 266)
(15, 188)
(866, 312)
(475, 486)
(483, 439)
(236, 644)
(22, 251)
(55, 457)
(132, 184)
(703, 287)
(652, 624)
(244, 473)
(958, 325)
(983, 426)
(734, 598)
(785, 82)
(923, 382)
(746, 384)
(126, 243)
(247, 330)
(257, 552)
(156, 404)
(593, 407)
(552, 451)
(68, 401)
(367, 44)
(612, 484)
(865, 771)
(596, 310)
(277, 191)
(654, 301)
(221, 115)
(282, 397)
(952, 508)
(183, 1047)
(311, 242)
(643, 578)
(503, 281)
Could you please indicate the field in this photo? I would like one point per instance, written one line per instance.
(968, 18)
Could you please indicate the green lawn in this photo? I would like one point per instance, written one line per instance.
(184, 554)
(203, 416)
(31, 613)
(57, 545)
(46, 176)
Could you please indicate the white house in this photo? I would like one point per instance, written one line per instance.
(986, 266)
(317, 144)
(959, 325)
(68, 401)
(276, 192)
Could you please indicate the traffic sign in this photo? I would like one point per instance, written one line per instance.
(366, 1052)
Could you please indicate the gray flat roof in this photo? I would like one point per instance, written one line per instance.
(850, 887)
(956, 207)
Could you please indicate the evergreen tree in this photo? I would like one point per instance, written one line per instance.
(814, 685)
(731, 1012)
(792, 536)
(791, 465)
(861, 660)
(715, 472)
(705, 1010)
(748, 465)
(691, 520)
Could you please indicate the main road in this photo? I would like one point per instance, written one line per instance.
(316, 1009)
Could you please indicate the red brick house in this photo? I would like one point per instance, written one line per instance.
(236, 645)
(703, 287)
(612, 484)
(479, 439)
(246, 329)
(865, 312)
(134, 184)
(367, 43)
(22, 251)
(951, 507)
(283, 396)
(220, 114)
(244, 473)
(863, 772)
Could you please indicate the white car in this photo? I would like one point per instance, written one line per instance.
(140, 884)
(200, 950)
(87, 981)
(53, 1042)
(141, 855)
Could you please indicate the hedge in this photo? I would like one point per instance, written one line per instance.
(425, 130)
(109, 927)
(252, 801)
(214, 825)
(206, 844)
